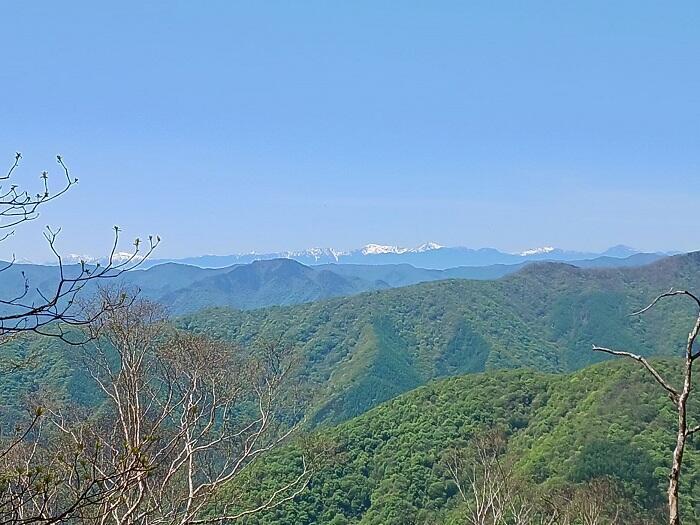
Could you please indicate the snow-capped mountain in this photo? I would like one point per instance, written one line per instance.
(117, 258)
(427, 247)
(379, 249)
(428, 255)
(537, 251)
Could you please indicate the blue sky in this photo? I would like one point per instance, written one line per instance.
(235, 126)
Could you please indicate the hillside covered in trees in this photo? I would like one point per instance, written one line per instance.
(360, 351)
(562, 432)
(357, 352)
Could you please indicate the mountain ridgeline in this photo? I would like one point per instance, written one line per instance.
(281, 282)
(357, 352)
(186, 289)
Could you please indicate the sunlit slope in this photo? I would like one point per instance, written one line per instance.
(607, 420)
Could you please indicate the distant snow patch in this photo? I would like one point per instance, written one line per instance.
(537, 251)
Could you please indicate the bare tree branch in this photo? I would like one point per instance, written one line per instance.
(670, 293)
(646, 365)
(692, 431)
(47, 313)
(40, 483)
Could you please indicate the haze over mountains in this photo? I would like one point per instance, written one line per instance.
(280, 282)
(429, 255)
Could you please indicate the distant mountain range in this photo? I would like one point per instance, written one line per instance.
(185, 288)
(281, 282)
(429, 255)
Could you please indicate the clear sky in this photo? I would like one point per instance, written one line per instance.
(235, 126)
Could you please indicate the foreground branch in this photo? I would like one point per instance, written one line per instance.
(674, 393)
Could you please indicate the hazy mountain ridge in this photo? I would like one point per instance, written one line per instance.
(265, 283)
(185, 288)
(279, 282)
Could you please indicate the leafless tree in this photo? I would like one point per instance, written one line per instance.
(679, 396)
(454, 461)
(487, 482)
(495, 494)
(594, 503)
(24, 464)
(597, 501)
(183, 417)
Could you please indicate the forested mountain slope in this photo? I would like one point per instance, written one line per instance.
(185, 289)
(356, 352)
(280, 282)
(362, 350)
(608, 420)
(396, 275)
(265, 283)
